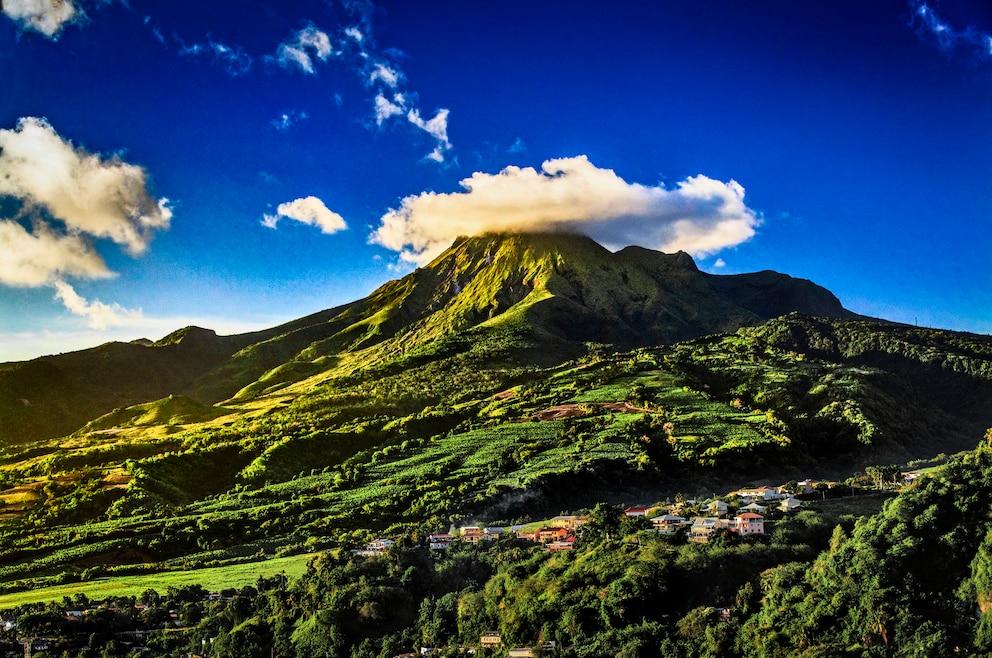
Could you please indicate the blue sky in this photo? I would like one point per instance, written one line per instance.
(248, 163)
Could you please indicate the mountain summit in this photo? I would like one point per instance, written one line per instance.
(551, 293)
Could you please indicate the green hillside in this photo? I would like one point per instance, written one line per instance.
(548, 294)
(512, 379)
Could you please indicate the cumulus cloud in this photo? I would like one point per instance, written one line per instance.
(300, 51)
(931, 25)
(66, 198)
(699, 215)
(47, 17)
(308, 210)
(33, 259)
(99, 315)
(104, 198)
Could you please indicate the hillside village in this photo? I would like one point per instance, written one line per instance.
(742, 512)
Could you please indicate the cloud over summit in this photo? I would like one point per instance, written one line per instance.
(699, 215)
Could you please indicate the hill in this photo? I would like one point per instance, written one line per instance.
(549, 295)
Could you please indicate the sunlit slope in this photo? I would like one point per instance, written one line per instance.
(533, 298)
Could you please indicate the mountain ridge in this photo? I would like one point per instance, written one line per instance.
(556, 292)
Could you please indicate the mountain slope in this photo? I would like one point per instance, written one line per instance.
(550, 293)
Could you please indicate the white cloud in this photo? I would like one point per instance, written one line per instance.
(45, 16)
(699, 215)
(720, 263)
(309, 210)
(70, 197)
(33, 259)
(437, 128)
(308, 43)
(385, 108)
(286, 120)
(100, 315)
(355, 34)
(102, 198)
(386, 74)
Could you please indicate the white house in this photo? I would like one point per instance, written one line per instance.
(668, 523)
(703, 527)
(754, 508)
(717, 507)
(790, 504)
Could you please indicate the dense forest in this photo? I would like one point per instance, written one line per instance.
(911, 580)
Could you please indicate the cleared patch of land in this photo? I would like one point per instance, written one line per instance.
(211, 579)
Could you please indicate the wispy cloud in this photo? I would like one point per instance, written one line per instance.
(68, 198)
(699, 215)
(233, 58)
(303, 48)
(308, 210)
(287, 120)
(391, 99)
(47, 17)
(949, 38)
(99, 315)
(352, 45)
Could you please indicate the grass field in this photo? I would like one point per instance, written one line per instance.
(212, 579)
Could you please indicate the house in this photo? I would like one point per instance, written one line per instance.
(471, 534)
(566, 544)
(522, 652)
(668, 523)
(529, 535)
(754, 507)
(547, 534)
(491, 639)
(703, 527)
(758, 493)
(748, 523)
(439, 541)
(717, 508)
(790, 504)
(373, 548)
(569, 522)
(636, 510)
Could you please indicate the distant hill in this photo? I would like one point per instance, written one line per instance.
(553, 293)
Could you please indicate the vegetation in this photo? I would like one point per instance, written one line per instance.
(458, 393)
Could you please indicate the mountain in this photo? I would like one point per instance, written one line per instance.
(552, 293)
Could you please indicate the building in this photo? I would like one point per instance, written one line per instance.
(636, 510)
(568, 522)
(790, 504)
(374, 548)
(748, 523)
(669, 523)
(547, 534)
(703, 527)
(439, 542)
(717, 508)
(472, 534)
(566, 544)
(491, 639)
